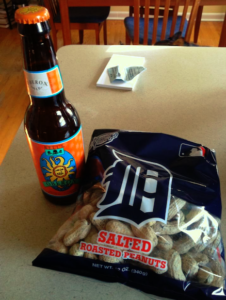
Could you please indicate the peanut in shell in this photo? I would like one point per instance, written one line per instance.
(218, 273)
(174, 263)
(92, 232)
(77, 233)
(90, 255)
(176, 205)
(164, 242)
(85, 211)
(205, 275)
(74, 250)
(183, 244)
(170, 228)
(145, 232)
(190, 266)
(201, 258)
(111, 259)
(100, 224)
(58, 246)
(211, 249)
(119, 227)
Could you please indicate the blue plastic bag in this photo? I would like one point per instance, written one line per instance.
(148, 215)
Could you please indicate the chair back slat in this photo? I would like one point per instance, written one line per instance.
(52, 6)
(48, 5)
(136, 22)
(165, 19)
(146, 21)
(155, 25)
(192, 19)
(151, 11)
(174, 20)
(184, 14)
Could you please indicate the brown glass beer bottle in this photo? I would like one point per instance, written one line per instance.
(52, 124)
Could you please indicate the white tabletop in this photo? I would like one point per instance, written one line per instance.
(182, 93)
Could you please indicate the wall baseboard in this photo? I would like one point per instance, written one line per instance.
(121, 15)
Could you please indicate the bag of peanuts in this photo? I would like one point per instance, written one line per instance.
(148, 215)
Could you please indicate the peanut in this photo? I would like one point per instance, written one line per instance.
(173, 261)
(92, 232)
(170, 228)
(151, 223)
(96, 196)
(93, 239)
(179, 217)
(74, 250)
(204, 225)
(98, 186)
(119, 227)
(200, 226)
(86, 197)
(207, 240)
(218, 273)
(93, 193)
(66, 226)
(157, 271)
(195, 215)
(164, 242)
(90, 255)
(57, 246)
(98, 223)
(111, 259)
(183, 244)
(145, 232)
(85, 211)
(205, 275)
(201, 258)
(189, 265)
(78, 232)
(176, 205)
(210, 250)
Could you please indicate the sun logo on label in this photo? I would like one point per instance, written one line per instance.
(59, 171)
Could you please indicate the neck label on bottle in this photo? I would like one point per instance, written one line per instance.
(59, 165)
(42, 84)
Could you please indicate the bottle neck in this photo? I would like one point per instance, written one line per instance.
(40, 61)
(58, 101)
(38, 52)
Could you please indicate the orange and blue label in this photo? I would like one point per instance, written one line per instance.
(59, 165)
(42, 84)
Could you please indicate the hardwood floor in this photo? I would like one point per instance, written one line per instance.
(13, 95)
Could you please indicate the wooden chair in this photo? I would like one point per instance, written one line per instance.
(81, 18)
(198, 23)
(148, 31)
(151, 13)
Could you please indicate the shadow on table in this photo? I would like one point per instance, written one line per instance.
(28, 220)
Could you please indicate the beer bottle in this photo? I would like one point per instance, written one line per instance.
(52, 124)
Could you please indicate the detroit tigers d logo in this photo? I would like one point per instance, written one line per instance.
(137, 191)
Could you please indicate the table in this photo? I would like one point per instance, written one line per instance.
(181, 93)
(64, 4)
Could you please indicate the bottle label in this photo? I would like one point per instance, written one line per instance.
(59, 165)
(45, 83)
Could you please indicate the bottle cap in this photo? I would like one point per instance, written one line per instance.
(31, 14)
